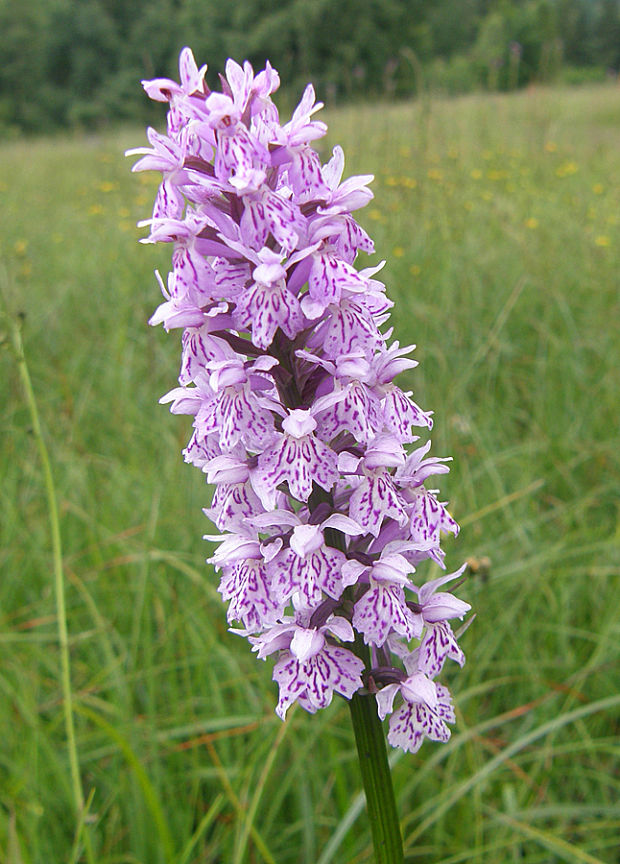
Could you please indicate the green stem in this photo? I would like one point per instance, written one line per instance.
(370, 741)
(376, 777)
(59, 584)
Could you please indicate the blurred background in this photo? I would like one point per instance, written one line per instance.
(76, 62)
(493, 132)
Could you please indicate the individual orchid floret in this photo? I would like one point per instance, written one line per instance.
(234, 500)
(246, 587)
(376, 497)
(439, 606)
(417, 469)
(352, 406)
(400, 413)
(439, 644)
(312, 665)
(192, 81)
(245, 583)
(428, 519)
(225, 403)
(167, 156)
(200, 347)
(268, 304)
(307, 569)
(434, 609)
(186, 100)
(382, 609)
(346, 328)
(241, 160)
(329, 276)
(176, 311)
(249, 92)
(348, 196)
(298, 458)
(300, 129)
(425, 711)
(267, 213)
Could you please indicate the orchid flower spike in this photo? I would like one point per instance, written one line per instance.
(288, 374)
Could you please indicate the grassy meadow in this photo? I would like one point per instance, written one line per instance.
(500, 220)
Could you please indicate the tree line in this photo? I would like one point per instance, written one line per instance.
(78, 62)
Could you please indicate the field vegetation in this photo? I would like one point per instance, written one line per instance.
(499, 217)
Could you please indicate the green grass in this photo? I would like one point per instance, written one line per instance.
(499, 220)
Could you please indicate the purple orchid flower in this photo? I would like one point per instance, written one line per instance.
(288, 373)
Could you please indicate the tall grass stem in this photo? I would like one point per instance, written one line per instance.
(17, 345)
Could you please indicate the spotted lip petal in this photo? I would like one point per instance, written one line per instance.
(232, 505)
(300, 462)
(311, 575)
(412, 723)
(246, 587)
(357, 411)
(383, 611)
(438, 644)
(314, 681)
(374, 500)
(236, 416)
(263, 309)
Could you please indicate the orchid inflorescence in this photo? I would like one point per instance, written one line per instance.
(297, 421)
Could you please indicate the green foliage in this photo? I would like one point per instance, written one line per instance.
(79, 62)
(499, 220)
(577, 75)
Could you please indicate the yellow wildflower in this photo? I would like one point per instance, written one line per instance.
(566, 169)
